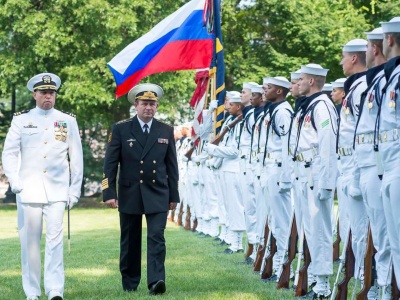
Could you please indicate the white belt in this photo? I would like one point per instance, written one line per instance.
(345, 151)
(307, 155)
(389, 136)
(365, 138)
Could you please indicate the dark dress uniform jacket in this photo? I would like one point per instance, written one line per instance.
(148, 176)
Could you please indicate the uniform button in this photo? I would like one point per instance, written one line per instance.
(154, 181)
(45, 142)
(44, 171)
(154, 161)
(141, 162)
(46, 128)
(141, 181)
(154, 171)
(141, 171)
(45, 156)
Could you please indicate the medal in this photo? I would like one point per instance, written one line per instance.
(370, 105)
(392, 103)
(347, 110)
(370, 101)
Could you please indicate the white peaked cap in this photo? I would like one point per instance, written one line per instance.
(392, 26)
(376, 34)
(327, 87)
(232, 94)
(248, 85)
(338, 83)
(279, 81)
(357, 45)
(314, 69)
(295, 75)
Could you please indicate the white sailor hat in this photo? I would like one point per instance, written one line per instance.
(356, 45)
(376, 34)
(314, 69)
(295, 75)
(145, 91)
(235, 99)
(279, 81)
(255, 87)
(248, 85)
(392, 26)
(338, 83)
(44, 81)
(327, 87)
(231, 94)
(187, 125)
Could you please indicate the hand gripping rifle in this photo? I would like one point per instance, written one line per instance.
(261, 250)
(302, 284)
(226, 129)
(284, 273)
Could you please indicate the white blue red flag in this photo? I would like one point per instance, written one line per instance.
(179, 42)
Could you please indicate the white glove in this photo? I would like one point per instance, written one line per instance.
(72, 200)
(355, 192)
(185, 159)
(213, 105)
(324, 194)
(16, 186)
(284, 187)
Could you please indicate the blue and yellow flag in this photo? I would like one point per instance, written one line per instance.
(217, 68)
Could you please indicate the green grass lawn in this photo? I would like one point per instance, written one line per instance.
(195, 268)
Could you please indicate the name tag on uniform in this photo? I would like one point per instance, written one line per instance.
(162, 141)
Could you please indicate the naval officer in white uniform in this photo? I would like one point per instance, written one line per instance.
(43, 161)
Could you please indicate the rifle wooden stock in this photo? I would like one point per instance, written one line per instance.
(368, 268)
(284, 279)
(395, 288)
(189, 153)
(187, 219)
(302, 285)
(219, 138)
(180, 215)
(261, 250)
(349, 272)
(267, 271)
(336, 243)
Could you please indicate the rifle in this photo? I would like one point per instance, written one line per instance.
(336, 243)
(369, 268)
(226, 129)
(284, 278)
(187, 219)
(180, 215)
(268, 261)
(349, 271)
(395, 288)
(302, 285)
(342, 260)
(299, 255)
(261, 250)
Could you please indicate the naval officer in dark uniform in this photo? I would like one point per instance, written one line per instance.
(144, 150)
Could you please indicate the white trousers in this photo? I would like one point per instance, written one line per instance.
(222, 213)
(280, 206)
(370, 185)
(296, 197)
(343, 210)
(210, 206)
(234, 200)
(249, 202)
(30, 225)
(358, 219)
(391, 206)
(318, 229)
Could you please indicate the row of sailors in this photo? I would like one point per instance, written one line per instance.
(278, 162)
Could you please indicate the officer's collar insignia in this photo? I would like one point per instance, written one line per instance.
(30, 125)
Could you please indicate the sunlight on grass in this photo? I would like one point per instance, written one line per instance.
(88, 272)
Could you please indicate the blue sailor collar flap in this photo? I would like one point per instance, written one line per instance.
(162, 141)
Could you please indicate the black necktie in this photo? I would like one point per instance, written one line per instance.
(146, 129)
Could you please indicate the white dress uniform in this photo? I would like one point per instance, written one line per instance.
(350, 177)
(50, 170)
(276, 175)
(389, 145)
(230, 179)
(370, 184)
(315, 152)
(246, 175)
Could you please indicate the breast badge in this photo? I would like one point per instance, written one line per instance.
(60, 131)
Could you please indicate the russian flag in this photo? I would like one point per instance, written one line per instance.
(179, 42)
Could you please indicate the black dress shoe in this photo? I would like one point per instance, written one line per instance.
(314, 295)
(228, 251)
(157, 288)
(273, 278)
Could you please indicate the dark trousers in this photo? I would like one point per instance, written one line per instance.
(131, 248)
